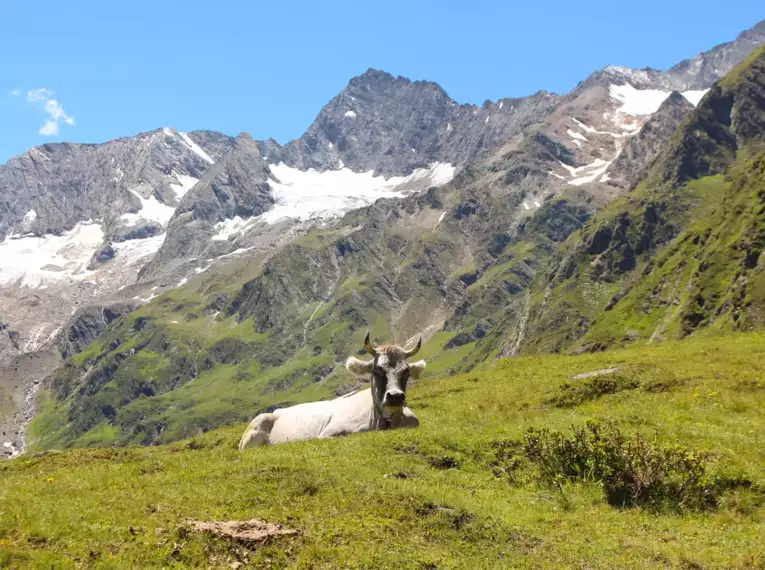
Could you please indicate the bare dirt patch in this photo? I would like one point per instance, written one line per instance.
(254, 530)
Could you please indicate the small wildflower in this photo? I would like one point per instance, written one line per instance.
(50, 479)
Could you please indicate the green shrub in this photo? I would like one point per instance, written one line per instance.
(573, 394)
(631, 470)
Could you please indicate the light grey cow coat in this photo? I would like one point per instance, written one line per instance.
(382, 406)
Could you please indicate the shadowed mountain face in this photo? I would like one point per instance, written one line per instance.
(132, 269)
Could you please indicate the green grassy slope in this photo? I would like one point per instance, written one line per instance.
(680, 255)
(458, 492)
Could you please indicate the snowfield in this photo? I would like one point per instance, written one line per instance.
(36, 261)
(33, 261)
(638, 102)
(196, 148)
(306, 195)
(151, 209)
(310, 194)
(185, 183)
(137, 250)
(695, 97)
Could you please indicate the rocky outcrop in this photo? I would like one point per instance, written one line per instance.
(704, 69)
(642, 149)
(731, 116)
(236, 186)
(86, 325)
(693, 74)
(49, 189)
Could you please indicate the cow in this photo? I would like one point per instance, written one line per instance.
(380, 407)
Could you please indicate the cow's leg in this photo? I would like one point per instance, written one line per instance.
(408, 419)
(258, 432)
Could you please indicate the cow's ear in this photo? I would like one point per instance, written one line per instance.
(416, 369)
(358, 367)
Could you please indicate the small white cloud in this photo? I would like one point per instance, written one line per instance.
(37, 95)
(49, 129)
(15, 92)
(43, 97)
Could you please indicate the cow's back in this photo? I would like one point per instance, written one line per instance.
(346, 414)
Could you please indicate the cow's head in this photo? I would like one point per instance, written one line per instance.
(389, 371)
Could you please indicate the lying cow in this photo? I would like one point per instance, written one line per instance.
(383, 406)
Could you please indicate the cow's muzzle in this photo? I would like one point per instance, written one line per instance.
(394, 399)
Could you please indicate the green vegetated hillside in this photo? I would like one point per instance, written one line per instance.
(507, 470)
(679, 255)
(277, 329)
(682, 254)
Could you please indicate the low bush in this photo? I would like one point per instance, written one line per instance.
(631, 470)
(574, 394)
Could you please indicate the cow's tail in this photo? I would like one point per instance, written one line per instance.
(258, 432)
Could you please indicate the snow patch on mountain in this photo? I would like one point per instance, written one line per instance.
(236, 252)
(591, 172)
(151, 209)
(639, 102)
(185, 183)
(38, 335)
(133, 251)
(39, 261)
(310, 194)
(29, 217)
(695, 97)
(576, 136)
(196, 148)
(34, 260)
(233, 226)
(594, 131)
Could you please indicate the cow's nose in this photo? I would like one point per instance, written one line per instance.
(395, 398)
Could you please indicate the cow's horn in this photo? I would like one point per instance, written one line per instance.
(416, 349)
(368, 346)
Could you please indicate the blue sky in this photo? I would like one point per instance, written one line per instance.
(121, 67)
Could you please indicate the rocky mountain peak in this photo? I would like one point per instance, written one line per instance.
(707, 67)
(374, 79)
(244, 141)
(373, 84)
(643, 78)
